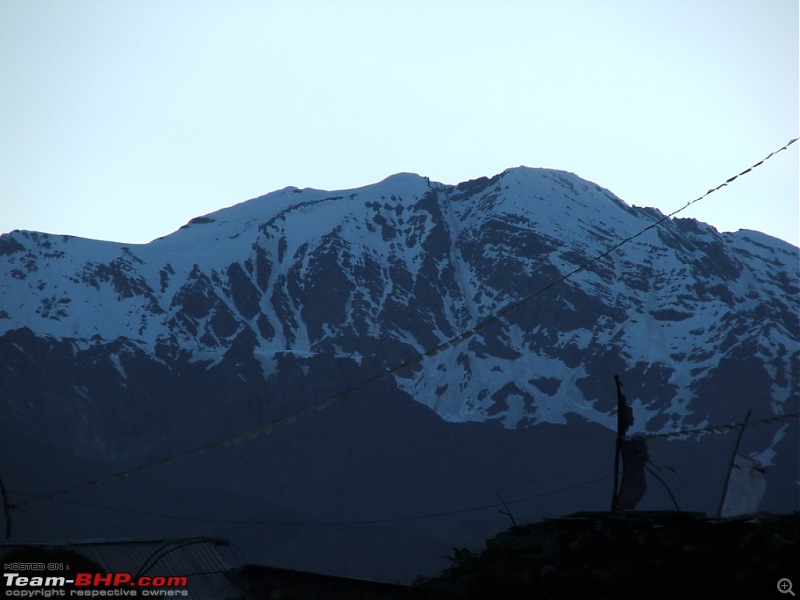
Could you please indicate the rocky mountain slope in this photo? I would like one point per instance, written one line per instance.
(114, 356)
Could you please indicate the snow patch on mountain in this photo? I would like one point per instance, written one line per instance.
(391, 270)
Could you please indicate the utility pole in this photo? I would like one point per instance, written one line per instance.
(624, 421)
(730, 466)
(6, 509)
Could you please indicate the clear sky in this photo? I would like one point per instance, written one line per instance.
(122, 120)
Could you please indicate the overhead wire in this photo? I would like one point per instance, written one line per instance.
(722, 428)
(409, 364)
(678, 433)
(401, 519)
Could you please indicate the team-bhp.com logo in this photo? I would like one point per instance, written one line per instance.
(93, 585)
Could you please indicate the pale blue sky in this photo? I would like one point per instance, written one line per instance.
(123, 120)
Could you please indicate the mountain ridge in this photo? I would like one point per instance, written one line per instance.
(130, 271)
(126, 354)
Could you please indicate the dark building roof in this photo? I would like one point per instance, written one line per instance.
(269, 582)
(204, 562)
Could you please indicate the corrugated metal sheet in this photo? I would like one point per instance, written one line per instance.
(201, 560)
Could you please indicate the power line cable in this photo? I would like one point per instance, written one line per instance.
(722, 428)
(678, 433)
(405, 366)
(338, 523)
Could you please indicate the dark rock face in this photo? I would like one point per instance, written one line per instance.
(116, 356)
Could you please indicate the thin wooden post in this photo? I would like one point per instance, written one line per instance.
(730, 466)
(618, 442)
(616, 477)
(6, 509)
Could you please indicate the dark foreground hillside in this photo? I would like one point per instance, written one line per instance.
(598, 556)
(595, 556)
(633, 555)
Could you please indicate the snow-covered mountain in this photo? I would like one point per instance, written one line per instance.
(115, 355)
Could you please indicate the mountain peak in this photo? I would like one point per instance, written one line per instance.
(404, 177)
(405, 308)
(400, 184)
